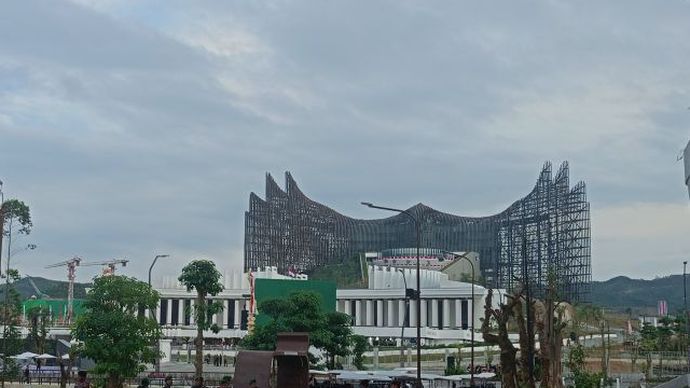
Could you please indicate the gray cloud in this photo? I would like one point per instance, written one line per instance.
(135, 128)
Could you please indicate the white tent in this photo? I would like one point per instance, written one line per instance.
(25, 356)
(45, 356)
(65, 356)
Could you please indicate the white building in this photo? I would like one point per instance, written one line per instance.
(377, 311)
(380, 309)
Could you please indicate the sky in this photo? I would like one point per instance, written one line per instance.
(135, 128)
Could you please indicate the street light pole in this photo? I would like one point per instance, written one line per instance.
(158, 342)
(419, 283)
(687, 316)
(405, 320)
(464, 256)
(2, 221)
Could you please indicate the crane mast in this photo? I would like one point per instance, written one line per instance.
(71, 265)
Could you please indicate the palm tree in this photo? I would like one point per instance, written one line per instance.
(202, 276)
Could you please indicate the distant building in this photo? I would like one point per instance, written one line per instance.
(429, 258)
(460, 270)
(546, 230)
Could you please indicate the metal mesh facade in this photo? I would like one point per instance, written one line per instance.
(547, 231)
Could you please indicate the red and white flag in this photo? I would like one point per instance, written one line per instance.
(662, 308)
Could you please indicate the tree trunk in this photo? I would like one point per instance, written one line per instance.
(199, 340)
(525, 379)
(114, 381)
(2, 234)
(508, 351)
(603, 351)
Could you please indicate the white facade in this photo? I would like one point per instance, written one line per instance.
(380, 309)
(377, 311)
(175, 301)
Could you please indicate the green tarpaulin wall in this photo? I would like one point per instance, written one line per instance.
(266, 289)
(58, 307)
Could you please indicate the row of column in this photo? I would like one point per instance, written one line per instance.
(171, 312)
(436, 313)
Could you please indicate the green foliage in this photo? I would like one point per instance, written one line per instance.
(346, 274)
(203, 277)
(16, 213)
(113, 335)
(39, 320)
(10, 317)
(301, 312)
(576, 363)
(359, 346)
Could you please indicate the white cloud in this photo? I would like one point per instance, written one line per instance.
(133, 126)
(640, 239)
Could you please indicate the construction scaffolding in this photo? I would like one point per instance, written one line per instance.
(546, 232)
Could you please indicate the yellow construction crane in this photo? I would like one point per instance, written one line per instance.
(109, 265)
(71, 265)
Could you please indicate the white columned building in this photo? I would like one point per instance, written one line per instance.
(378, 310)
(445, 305)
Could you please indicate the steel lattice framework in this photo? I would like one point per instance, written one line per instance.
(547, 231)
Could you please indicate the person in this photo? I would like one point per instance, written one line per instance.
(82, 381)
(364, 384)
(252, 383)
(395, 384)
(167, 383)
(199, 383)
(27, 379)
(312, 381)
(144, 383)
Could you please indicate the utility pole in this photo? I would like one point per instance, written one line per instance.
(525, 280)
(687, 316)
(2, 222)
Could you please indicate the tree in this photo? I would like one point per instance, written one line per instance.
(551, 324)
(359, 346)
(203, 277)
(15, 217)
(39, 320)
(576, 363)
(10, 315)
(301, 312)
(501, 316)
(112, 332)
(648, 343)
(341, 333)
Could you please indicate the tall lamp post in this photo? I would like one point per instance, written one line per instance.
(687, 316)
(405, 319)
(158, 342)
(418, 293)
(2, 222)
(464, 256)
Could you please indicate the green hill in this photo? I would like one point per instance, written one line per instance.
(349, 273)
(53, 289)
(622, 292)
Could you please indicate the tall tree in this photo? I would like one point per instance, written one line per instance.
(114, 335)
(648, 342)
(500, 318)
(203, 277)
(10, 316)
(301, 312)
(551, 323)
(15, 218)
(39, 320)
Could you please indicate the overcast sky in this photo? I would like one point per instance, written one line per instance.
(135, 128)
